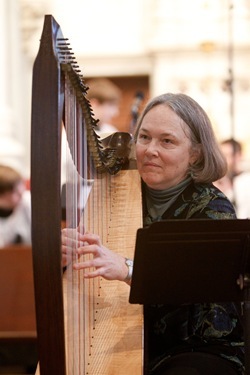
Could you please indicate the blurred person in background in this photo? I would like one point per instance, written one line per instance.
(104, 97)
(236, 182)
(232, 151)
(15, 208)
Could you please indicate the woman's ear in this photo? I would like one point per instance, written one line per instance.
(195, 153)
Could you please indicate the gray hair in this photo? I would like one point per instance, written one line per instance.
(211, 164)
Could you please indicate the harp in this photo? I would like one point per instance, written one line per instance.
(83, 327)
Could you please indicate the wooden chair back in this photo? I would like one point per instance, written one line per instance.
(17, 312)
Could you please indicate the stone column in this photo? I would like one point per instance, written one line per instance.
(12, 122)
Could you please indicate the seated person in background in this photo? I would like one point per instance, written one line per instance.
(15, 208)
(104, 97)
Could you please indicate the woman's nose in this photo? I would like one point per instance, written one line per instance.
(152, 148)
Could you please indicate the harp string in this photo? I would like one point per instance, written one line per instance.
(86, 195)
(74, 321)
(95, 307)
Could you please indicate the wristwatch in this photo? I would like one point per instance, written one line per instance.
(129, 264)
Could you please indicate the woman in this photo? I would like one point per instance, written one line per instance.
(178, 158)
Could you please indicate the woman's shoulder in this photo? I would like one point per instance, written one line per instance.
(205, 201)
(210, 191)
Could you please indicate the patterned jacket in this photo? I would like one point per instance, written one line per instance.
(213, 328)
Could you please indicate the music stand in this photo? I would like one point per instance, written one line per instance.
(194, 261)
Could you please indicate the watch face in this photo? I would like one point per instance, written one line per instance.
(129, 262)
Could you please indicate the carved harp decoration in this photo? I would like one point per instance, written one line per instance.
(85, 327)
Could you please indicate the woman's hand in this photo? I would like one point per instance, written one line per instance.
(71, 239)
(103, 262)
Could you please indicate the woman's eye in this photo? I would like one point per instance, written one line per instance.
(166, 140)
(143, 137)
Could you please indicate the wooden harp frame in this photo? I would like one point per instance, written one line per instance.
(47, 113)
(48, 100)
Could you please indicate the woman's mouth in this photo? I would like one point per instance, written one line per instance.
(150, 164)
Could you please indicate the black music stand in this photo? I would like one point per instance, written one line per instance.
(192, 261)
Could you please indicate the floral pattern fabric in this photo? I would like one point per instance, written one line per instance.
(213, 327)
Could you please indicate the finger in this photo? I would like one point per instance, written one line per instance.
(69, 251)
(83, 265)
(88, 249)
(69, 245)
(68, 232)
(89, 270)
(92, 238)
(71, 233)
(92, 274)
